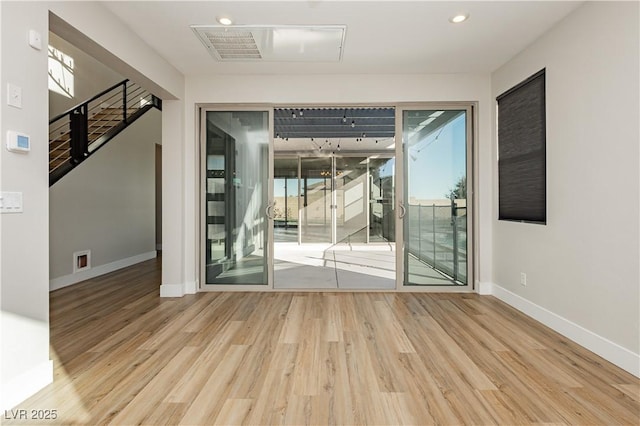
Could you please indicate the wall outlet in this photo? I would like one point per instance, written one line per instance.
(523, 279)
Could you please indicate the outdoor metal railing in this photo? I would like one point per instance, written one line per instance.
(438, 238)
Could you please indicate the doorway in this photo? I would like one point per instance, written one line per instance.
(333, 221)
(337, 198)
(437, 171)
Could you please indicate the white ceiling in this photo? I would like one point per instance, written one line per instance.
(382, 37)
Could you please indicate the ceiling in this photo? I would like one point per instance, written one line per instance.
(382, 37)
(377, 37)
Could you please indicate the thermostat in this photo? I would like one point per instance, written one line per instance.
(18, 142)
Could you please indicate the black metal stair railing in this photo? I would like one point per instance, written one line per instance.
(80, 131)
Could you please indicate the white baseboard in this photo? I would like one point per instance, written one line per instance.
(612, 352)
(178, 290)
(172, 290)
(190, 287)
(484, 288)
(16, 390)
(96, 271)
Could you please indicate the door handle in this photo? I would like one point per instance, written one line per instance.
(403, 209)
(268, 211)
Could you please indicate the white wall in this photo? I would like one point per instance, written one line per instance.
(90, 77)
(335, 90)
(97, 31)
(107, 205)
(174, 268)
(24, 269)
(582, 267)
(24, 262)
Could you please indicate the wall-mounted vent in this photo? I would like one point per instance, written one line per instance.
(322, 43)
(81, 261)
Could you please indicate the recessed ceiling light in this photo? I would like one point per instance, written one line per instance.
(458, 18)
(225, 21)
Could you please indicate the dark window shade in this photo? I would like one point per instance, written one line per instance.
(522, 152)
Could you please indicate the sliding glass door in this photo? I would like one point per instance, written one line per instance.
(376, 214)
(235, 197)
(437, 219)
(316, 194)
(352, 204)
(285, 199)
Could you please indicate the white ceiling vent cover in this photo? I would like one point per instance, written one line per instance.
(322, 43)
(230, 45)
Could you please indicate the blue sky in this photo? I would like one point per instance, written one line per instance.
(436, 164)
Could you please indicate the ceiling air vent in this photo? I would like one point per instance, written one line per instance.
(287, 43)
(230, 45)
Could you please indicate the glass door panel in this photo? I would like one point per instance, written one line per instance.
(236, 152)
(352, 211)
(315, 196)
(382, 225)
(435, 224)
(285, 199)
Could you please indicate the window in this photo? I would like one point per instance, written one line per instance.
(522, 152)
(60, 72)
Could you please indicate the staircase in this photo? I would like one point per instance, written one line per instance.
(80, 131)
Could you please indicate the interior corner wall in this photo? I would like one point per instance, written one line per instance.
(95, 29)
(90, 77)
(378, 90)
(583, 266)
(174, 281)
(107, 205)
(25, 366)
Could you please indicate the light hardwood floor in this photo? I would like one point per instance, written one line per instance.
(125, 356)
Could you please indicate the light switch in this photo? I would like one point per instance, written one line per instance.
(35, 39)
(10, 202)
(14, 95)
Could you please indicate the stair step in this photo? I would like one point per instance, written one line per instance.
(114, 112)
(56, 152)
(98, 133)
(58, 144)
(93, 123)
(55, 163)
(53, 140)
(60, 154)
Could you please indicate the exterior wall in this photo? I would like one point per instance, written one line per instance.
(582, 266)
(106, 205)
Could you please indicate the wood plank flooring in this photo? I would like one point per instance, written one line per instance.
(125, 356)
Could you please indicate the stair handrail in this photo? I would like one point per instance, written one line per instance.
(92, 123)
(99, 95)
